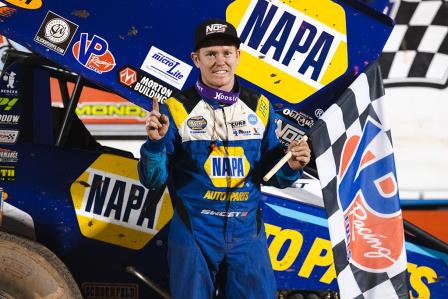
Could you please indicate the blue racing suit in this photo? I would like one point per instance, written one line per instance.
(214, 157)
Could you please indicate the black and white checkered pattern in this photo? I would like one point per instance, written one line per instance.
(416, 52)
(347, 117)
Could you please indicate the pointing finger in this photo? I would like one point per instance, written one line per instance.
(155, 104)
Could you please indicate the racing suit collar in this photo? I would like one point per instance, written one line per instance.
(215, 96)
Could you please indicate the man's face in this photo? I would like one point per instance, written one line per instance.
(217, 65)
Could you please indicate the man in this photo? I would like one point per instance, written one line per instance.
(216, 141)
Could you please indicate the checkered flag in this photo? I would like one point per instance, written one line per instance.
(354, 157)
(416, 52)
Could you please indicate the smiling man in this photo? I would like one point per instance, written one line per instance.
(213, 144)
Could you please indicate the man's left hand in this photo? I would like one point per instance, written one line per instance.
(301, 154)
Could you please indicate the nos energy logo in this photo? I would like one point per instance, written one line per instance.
(368, 195)
(296, 47)
(227, 166)
(93, 54)
(110, 204)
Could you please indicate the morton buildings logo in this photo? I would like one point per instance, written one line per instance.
(368, 195)
(144, 84)
(128, 76)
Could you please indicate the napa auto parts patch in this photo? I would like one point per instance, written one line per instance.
(110, 204)
(292, 49)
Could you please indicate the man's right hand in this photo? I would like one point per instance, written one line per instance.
(156, 124)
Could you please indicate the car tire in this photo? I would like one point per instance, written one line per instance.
(296, 296)
(30, 270)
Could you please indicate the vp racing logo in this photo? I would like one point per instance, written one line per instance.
(93, 53)
(368, 195)
(110, 204)
(295, 48)
(227, 166)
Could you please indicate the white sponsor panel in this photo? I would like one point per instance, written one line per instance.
(9, 136)
(166, 67)
(8, 155)
(9, 119)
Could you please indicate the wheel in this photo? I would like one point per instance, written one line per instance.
(295, 296)
(30, 270)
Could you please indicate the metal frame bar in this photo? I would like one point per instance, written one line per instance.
(147, 281)
(425, 236)
(70, 110)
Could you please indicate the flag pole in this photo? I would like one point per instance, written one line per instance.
(280, 163)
